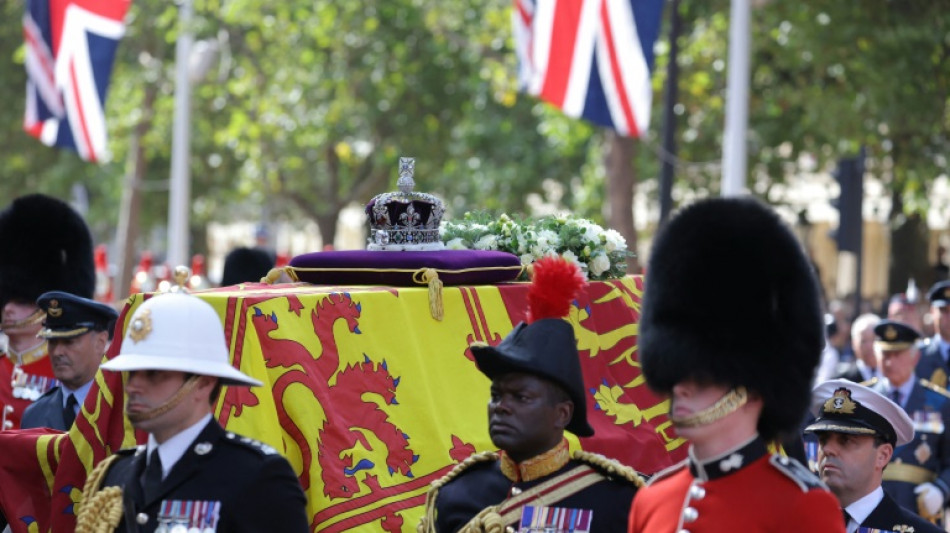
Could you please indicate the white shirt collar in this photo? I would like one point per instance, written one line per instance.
(862, 508)
(174, 448)
(943, 348)
(866, 371)
(79, 393)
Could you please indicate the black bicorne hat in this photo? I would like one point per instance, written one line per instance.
(44, 245)
(730, 298)
(545, 348)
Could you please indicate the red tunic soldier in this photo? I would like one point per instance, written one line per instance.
(731, 333)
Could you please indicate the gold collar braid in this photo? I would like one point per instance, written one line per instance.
(728, 404)
(538, 466)
(169, 404)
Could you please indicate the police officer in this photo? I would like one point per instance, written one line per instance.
(537, 392)
(731, 332)
(78, 331)
(44, 245)
(192, 475)
(858, 429)
(933, 365)
(919, 474)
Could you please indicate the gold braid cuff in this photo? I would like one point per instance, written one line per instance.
(728, 404)
(170, 404)
(99, 510)
(427, 523)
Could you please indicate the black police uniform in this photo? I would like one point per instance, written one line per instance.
(255, 487)
(67, 316)
(483, 484)
(889, 516)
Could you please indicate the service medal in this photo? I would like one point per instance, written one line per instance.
(922, 453)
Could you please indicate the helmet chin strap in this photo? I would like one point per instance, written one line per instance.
(33, 319)
(728, 404)
(169, 404)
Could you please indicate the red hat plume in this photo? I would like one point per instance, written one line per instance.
(554, 285)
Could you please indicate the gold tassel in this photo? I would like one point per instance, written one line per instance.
(274, 275)
(430, 276)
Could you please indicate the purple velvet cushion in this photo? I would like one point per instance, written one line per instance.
(365, 267)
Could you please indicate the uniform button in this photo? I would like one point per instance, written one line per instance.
(141, 518)
(515, 491)
(697, 493)
(690, 514)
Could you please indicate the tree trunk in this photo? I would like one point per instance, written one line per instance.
(327, 224)
(621, 183)
(127, 231)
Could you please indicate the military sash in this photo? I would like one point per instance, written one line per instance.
(544, 494)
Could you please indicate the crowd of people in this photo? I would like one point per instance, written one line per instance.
(867, 421)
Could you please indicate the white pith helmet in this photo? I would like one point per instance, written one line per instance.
(177, 332)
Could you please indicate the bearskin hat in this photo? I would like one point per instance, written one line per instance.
(45, 245)
(730, 298)
(244, 265)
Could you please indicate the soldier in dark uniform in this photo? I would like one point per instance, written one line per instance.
(858, 429)
(537, 392)
(45, 245)
(919, 474)
(78, 331)
(933, 365)
(192, 475)
(737, 365)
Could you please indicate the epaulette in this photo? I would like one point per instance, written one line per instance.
(135, 450)
(802, 476)
(610, 467)
(668, 471)
(870, 382)
(471, 460)
(427, 522)
(934, 387)
(247, 442)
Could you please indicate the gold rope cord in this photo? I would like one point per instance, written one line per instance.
(99, 510)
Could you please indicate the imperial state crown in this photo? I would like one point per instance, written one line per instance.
(405, 219)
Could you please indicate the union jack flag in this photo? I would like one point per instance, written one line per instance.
(70, 48)
(591, 58)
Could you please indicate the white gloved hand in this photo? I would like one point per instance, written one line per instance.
(930, 496)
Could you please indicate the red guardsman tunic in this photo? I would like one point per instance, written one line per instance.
(746, 489)
(21, 385)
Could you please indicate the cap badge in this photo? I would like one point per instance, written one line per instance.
(890, 333)
(841, 402)
(202, 448)
(54, 310)
(141, 326)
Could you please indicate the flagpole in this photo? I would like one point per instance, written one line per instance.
(179, 203)
(737, 102)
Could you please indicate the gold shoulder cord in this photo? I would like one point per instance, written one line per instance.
(610, 466)
(427, 523)
(99, 510)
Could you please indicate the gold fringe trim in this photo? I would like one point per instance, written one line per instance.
(611, 467)
(99, 510)
(427, 522)
(430, 277)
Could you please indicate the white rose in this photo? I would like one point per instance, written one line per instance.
(599, 264)
(615, 240)
(487, 242)
(527, 259)
(456, 244)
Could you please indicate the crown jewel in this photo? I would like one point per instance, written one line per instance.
(405, 219)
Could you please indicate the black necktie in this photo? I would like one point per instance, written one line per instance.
(69, 412)
(847, 518)
(896, 396)
(153, 475)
